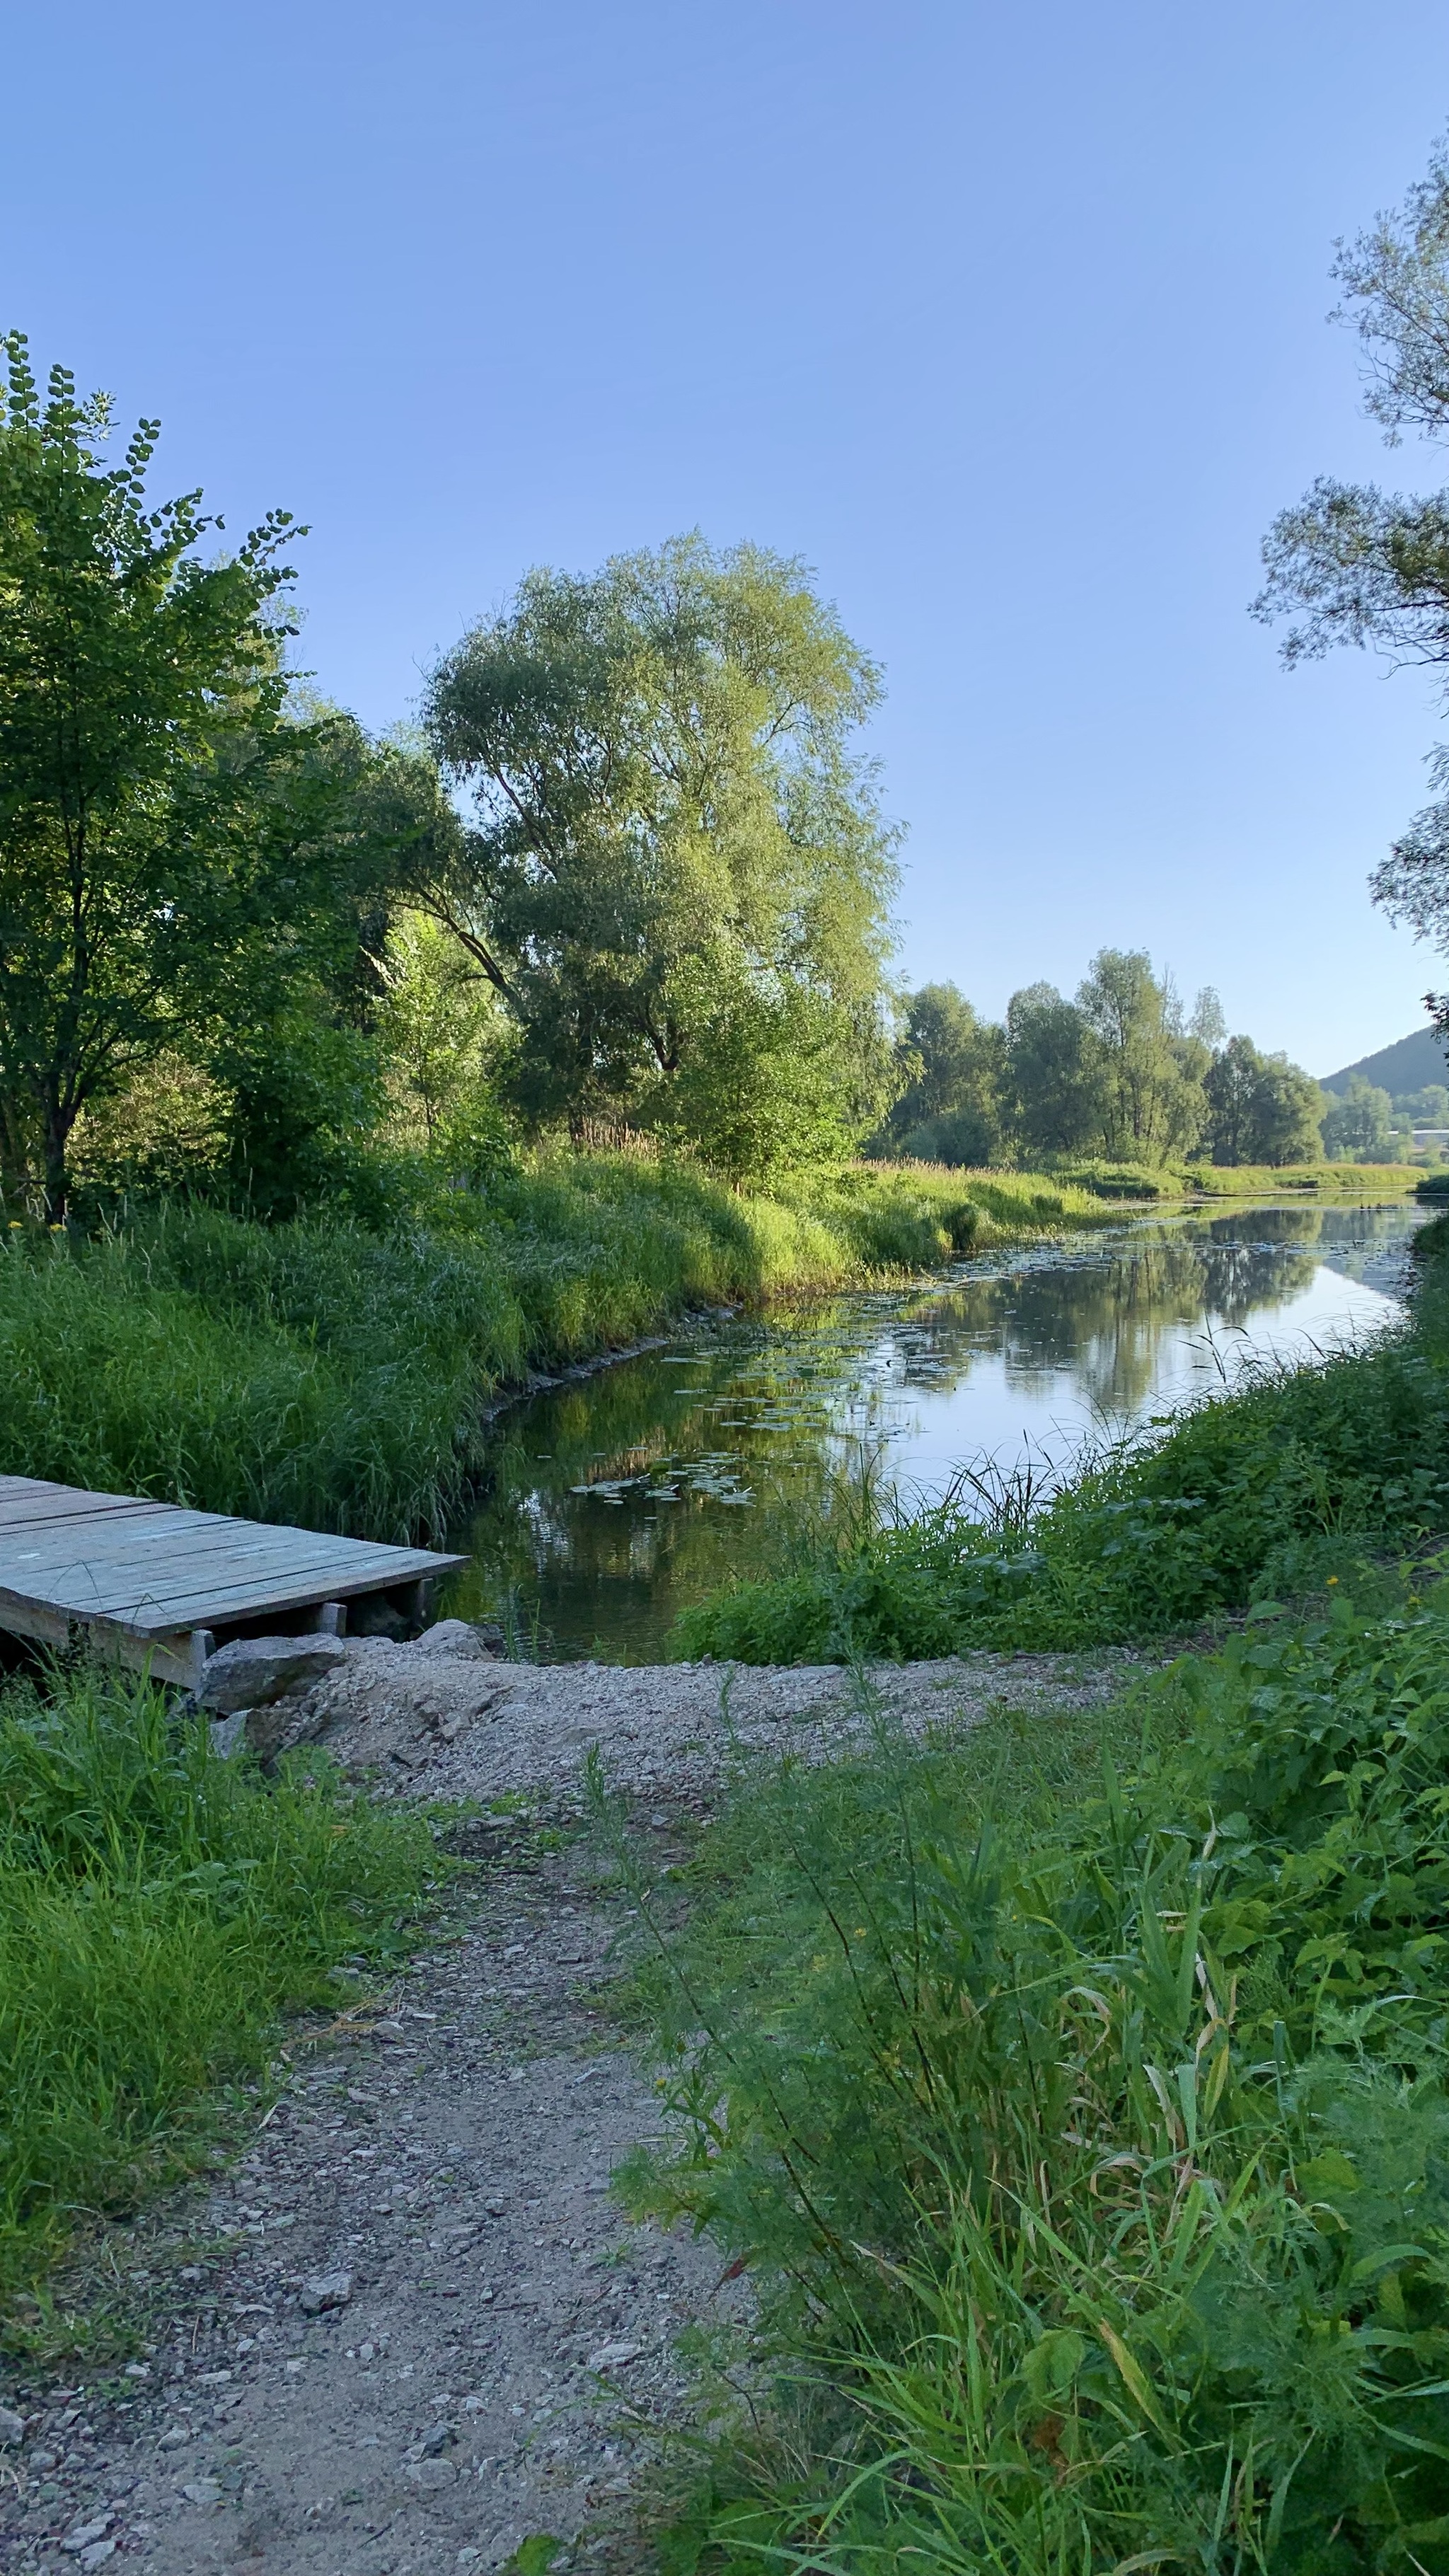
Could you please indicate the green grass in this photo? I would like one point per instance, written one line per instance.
(1074, 2095)
(1293, 1480)
(1260, 1180)
(160, 1910)
(1237, 1180)
(325, 1373)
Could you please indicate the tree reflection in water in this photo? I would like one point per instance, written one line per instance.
(612, 1500)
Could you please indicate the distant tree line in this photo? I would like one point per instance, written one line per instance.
(1120, 1073)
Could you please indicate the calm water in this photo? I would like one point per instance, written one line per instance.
(615, 1499)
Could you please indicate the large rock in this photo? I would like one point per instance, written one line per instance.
(457, 1638)
(251, 1671)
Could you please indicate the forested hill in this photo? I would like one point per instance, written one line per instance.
(1410, 1064)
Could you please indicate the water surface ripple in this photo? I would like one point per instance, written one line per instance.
(614, 1499)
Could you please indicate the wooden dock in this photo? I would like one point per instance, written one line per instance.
(153, 1585)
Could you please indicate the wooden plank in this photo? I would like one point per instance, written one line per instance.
(120, 1542)
(22, 1504)
(189, 1557)
(140, 1575)
(159, 1604)
(109, 1583)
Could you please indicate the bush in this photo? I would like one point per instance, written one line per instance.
(1090, 2153)
(159, 1910)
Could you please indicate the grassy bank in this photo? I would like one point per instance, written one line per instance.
(1279, 1488)
(1240, 1180)
(332, 1374)
(1074, 2094)
(159, 1910)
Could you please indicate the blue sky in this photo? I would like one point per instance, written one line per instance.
(1008, 319)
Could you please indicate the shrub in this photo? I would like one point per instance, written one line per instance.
(1091, 2154)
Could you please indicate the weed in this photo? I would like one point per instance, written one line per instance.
(333, 1375)
(1090, 2154)
(159, 1910)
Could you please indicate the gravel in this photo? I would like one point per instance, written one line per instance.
(410, 2326)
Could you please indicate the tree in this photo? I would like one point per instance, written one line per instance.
(670, 824)
(180, 855)
(134, 683)
(774, 1080)
(295, 1027)
(1150, 1070)
(1357, 1125)
(441, 1026)
(1426, 1108)
(952, 1066)
(1262, 1108)
(1354, 565)
(1054, 1073)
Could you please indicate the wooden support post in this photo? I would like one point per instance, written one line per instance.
(203, 1644)
(331, 1620)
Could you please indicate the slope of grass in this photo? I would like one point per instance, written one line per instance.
(1088, 2144)
(159, 1910)
(329, 1374)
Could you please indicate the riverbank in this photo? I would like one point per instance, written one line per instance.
(1282, 1485)
(338, 1375)
(1165, 1184)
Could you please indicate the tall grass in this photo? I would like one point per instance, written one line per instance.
(1273, 1489)
(1089, 2147)
(326, 1373)
(159, 1909)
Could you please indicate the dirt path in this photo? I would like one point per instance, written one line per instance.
(409, 2329)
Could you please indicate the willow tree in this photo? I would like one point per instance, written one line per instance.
(677, 858)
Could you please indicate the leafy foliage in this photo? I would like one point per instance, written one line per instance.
(1262, 1108)
(188, 859)
(1353, 565)
(674, 844)
(952, 1067)
(1357, 1124)
(1091, 2154)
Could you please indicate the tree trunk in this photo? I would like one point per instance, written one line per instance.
(57, 1174)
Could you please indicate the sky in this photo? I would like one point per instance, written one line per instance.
(1009, 321)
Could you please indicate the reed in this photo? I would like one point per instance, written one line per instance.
(1073, 2091)
(337, 1375)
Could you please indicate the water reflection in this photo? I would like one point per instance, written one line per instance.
(614, 1499)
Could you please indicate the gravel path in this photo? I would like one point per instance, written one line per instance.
(409, 2328)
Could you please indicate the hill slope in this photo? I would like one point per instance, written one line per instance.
(1407, 1065)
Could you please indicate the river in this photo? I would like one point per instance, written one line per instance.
(614, 1499)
